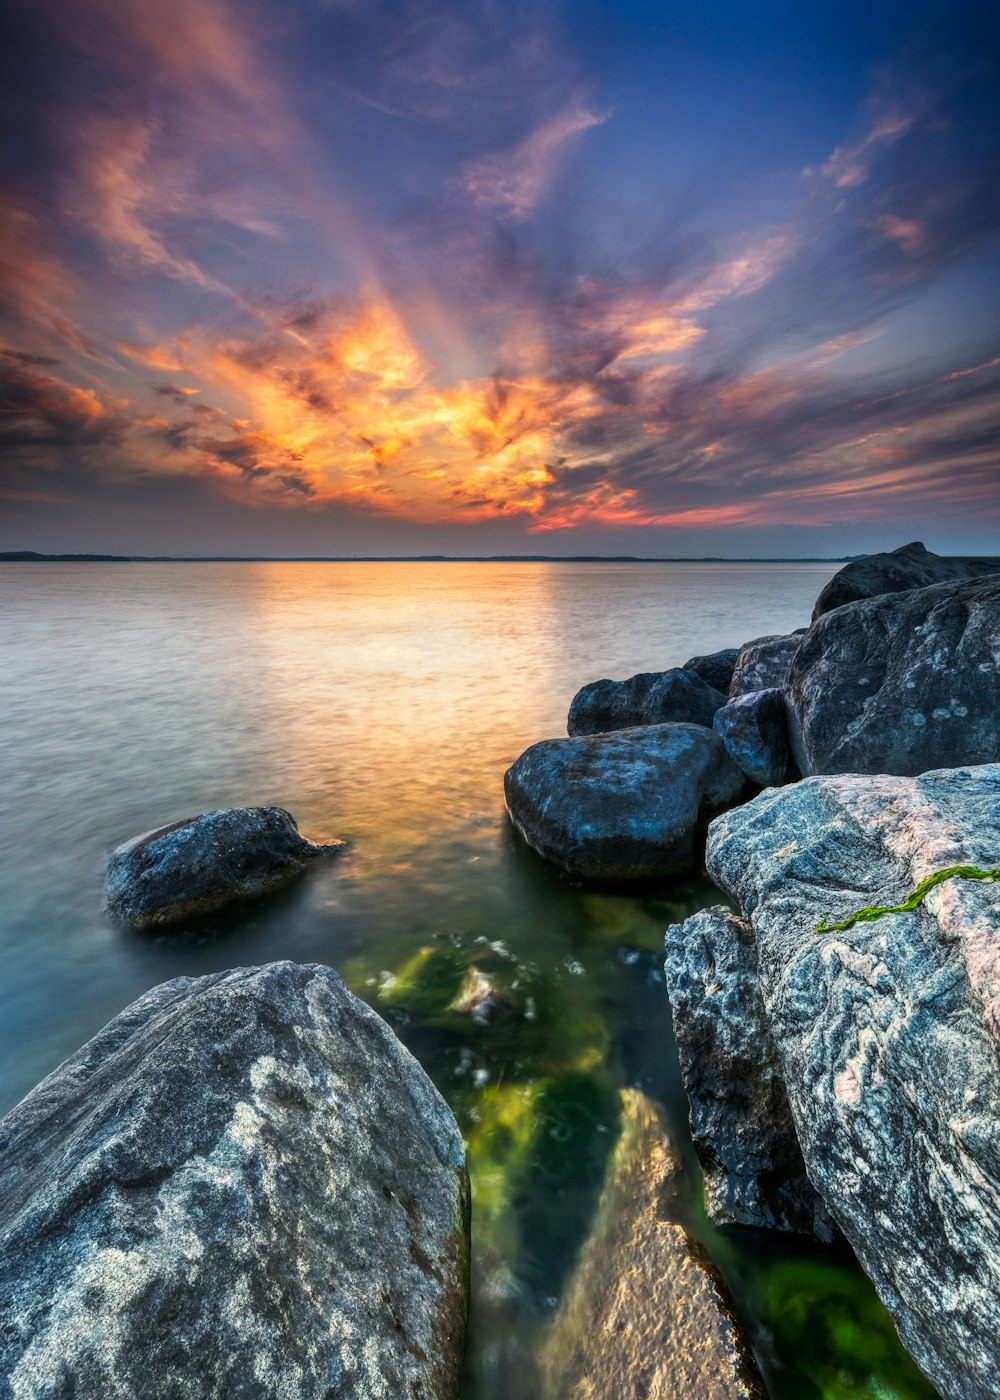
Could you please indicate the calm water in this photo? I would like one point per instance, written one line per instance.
(382, 703)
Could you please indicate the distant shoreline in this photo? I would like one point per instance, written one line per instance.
(25, 556)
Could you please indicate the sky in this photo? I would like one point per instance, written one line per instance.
(363, 277)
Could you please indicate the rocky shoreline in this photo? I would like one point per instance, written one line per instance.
(245, 1185)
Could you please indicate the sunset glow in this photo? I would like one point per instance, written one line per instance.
(432, 275)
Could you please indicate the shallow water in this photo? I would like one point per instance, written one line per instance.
(382, 703)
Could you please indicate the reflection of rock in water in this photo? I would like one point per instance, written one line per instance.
(644, 1314)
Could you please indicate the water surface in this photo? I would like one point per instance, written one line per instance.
(382, 703)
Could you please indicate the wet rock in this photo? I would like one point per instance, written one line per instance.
(740, 1119)
(887, 1034)
(196, 867)
(622, 806)
(716, 669)
(763, 663)
(243, 1185)
(900, 683)
(480, 998)
(754, 729)
(910, 566)
(645, 1314)
(661, 697)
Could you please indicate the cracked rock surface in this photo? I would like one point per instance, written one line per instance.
(243, 1186)
(901, 683)
(887, 1034)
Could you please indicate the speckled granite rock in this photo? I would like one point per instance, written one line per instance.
(716, 668)
(754, 729)
(887, 1034)
(740, 1120)
(196, 867)
(657, 697)
(910, 566)
(242, 1186)
(900, 683)
(645, 1316)
(622, 806)
(763, 663)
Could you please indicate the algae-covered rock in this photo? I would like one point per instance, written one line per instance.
(887, 1032)
(243, 1186)
(196, 867)
(622, 806)
(645, 1314)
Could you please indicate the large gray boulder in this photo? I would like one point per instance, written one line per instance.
(194, 868)
(624, 806)
(754, 729)
(909, 566)
(763, 663)
(645, 1315)
(900, 683)
(740, 1119)
(715, 668)
(243, 1186)
(887, 1034)
(656, 697)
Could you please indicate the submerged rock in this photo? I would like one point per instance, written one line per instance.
(910, 566)
(480, 998)
(754, 729)
(900, 683)
(716, 669)
(740, 1119)
(244, 1185)
(645, 1314)
(196, 867)
(887, 1033)
(621, 806)
(662, 697)
(763, 663)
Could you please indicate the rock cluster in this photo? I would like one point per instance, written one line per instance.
(244, 1185)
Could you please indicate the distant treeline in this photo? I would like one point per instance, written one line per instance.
(29, 556)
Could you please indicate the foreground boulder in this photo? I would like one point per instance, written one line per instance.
(716, 668)
(754, 729)
(887, 1034)
(243, 1185)
(900, 683)
(763, 663)
(740, 1119)
(624, 806)
(658, 697)
(909, 566)
(645, 1315)
(196, 867)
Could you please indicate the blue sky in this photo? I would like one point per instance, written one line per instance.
(344, 276)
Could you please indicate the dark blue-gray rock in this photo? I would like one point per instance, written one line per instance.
(910, 566)
(243, 1186)
(900, 683)
(754, 729)
(740, 1119)
(645, 1315)
(763, 663)
(194, 868)
(625, 806)
(716, 669)
(656, 697)
(887, 1034)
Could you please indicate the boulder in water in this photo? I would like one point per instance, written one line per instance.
(660, 697)
(623, 806)
(194, 868)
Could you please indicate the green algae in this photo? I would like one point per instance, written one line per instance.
(913, 900)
